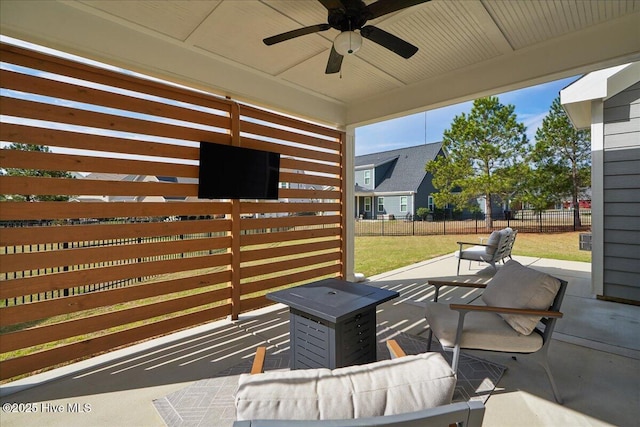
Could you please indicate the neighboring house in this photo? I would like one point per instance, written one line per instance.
(608, 102)
(394, 182)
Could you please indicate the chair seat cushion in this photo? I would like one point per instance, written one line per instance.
(389, 387)
(517, 286)
(482, 330)
(475, 253)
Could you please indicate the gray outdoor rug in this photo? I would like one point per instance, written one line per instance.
(210, 402)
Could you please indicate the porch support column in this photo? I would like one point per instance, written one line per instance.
(349, 201)
(597, 199)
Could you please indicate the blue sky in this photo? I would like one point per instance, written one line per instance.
(532, 105)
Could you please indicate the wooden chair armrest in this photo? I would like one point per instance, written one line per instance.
(474, 244)
(505, 310)
(439, 283)
(258, 361)
(395, 350)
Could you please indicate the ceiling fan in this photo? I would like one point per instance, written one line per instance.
(350, 17)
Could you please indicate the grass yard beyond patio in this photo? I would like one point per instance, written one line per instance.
(377, 254)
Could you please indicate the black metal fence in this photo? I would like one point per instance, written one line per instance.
(525, 221)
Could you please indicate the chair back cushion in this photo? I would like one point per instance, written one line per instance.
(494, 240)
(517, 286)
(388, 387)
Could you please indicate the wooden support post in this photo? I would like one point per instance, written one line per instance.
(343, 206)
(235, 224)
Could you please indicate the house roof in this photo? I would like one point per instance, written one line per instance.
(407, 171)
(599, 85)
(467, 49)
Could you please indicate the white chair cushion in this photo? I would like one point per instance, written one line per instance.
(493, 241)
(389, 387)
(475, 253)
(517, 286)
(487, 331)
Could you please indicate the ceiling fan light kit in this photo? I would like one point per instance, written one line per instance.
(347, 16)
(347, 42)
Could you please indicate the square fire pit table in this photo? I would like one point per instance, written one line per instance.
(332, 322)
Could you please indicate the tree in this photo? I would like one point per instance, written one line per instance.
(34, 172)
(484, 153)
(562, 156)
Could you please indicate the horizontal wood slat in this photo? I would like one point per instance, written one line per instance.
(277, 266)
(289, 279)
(11, 132)
(78, 233)
(289, 150)
(96, 255)
(253, 223)
(59, 331)
(103, 98)
(286, 135)
(66, 162)
(55, 307)
(59, 281)
(57, 186)
(43, 359)
(290, 122)
(73, 116)
(88, 187)
(43, 62)
(303, 165)
(287, 236)
(290, 250)
(309, 179)
(292, 207)
(16, 211)
(309, 194)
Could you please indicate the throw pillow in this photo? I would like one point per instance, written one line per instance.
(517, 286)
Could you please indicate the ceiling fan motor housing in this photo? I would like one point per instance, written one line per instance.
(348, 19)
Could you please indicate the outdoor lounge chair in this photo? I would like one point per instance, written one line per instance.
(522, 306)
(497, 248)
(408, 391)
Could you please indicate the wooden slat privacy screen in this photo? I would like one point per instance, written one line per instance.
(133, 253)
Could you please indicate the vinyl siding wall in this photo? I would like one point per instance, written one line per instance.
(622, 195)
(392, 206)
(359, 176)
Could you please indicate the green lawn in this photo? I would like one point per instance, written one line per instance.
(374, 255)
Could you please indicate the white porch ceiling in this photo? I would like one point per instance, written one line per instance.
(467, 48)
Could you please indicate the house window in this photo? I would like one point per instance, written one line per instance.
(380, 204)
(367, 177)
(367, 204)
(430, 205)
(284, 185)
(403, 203)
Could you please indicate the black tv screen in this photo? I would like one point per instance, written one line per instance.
(229, 172)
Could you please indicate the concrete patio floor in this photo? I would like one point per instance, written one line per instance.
(595, 358)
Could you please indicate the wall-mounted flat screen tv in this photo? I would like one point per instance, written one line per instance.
(229, 172)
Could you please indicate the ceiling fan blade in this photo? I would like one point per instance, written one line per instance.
(334, 63)
(295, 33)
(391, 42)
(382, 7)
(332, 4)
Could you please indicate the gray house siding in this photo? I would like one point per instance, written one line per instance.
(621, 167)
(359, 178)
(392, 205)
(425, 189)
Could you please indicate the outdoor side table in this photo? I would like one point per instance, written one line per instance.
(332, 322)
